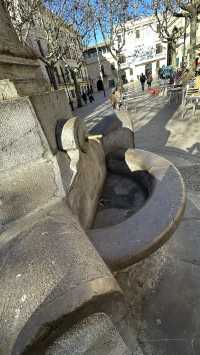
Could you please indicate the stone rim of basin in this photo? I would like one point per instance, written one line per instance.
(126, 243)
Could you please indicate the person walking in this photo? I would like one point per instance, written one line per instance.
(113, 100)
(90, 96)
(149, 79)
(84, 97)
(142, 80)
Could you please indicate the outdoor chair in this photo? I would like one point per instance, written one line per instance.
(192, 96)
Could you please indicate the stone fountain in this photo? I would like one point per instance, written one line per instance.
(74, 206)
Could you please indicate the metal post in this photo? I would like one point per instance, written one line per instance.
(184, 43)
(70, 100)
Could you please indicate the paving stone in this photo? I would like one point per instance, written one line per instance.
(95, 335)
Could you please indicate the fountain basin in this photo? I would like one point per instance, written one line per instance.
(128, 240)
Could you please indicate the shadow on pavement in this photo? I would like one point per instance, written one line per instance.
(163, 291)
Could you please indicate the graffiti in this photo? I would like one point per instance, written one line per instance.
(141, 53)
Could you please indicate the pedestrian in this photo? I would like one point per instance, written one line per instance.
(84, 97)
(91, 88)
(142, 80)
(116, 99)
(90, 96)
(149, 79)
(113, 100)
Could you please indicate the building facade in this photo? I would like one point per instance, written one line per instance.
(143, 52)
(36, 37)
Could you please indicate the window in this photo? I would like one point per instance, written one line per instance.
(122, 59)
(111, 83)
(119, 38)
(131, 72)
(112, 66)
(158, 48)
(137, 33)
(158, 28)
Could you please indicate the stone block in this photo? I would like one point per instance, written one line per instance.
(87, 186)
(117, 131)
(72, 134)
(51, 276)
(27, 188)
(17, 60)
(50, 108)
(21, 139)
(7, 90)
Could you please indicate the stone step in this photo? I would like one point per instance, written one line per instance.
(95, 335)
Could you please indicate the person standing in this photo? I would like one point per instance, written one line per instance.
(149, 79)
(113, 100)
(142, 80)
(84, 97)
(90, 96)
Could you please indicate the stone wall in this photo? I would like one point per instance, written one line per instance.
(29, 174)
(50, 108)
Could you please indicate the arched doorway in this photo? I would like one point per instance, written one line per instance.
(100, 85)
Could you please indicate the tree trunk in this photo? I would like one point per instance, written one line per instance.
(119, 79)
(193, 29)
(77, 88)
(171, 56)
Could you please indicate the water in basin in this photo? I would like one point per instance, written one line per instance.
(123, 195)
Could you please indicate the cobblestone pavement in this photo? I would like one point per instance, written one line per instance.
(163, 291)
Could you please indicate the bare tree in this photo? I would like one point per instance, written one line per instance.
(79, 16)
(66, 33)
(190, 10)
(49, 28)
(60, 26)
(169, 29)
(22, 14)
(110, 18)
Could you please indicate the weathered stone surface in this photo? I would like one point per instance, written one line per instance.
(29, 175)
(49, 269)
(137, 237)
(17, 61)
(72, 134)
(27, 188)
(9, 42)
(122, 197)
(95, 335)
(88, 184)
(21, 139)
(117, 130)
(50, 108)
(45, 257)
(7, 90)
(86, 168)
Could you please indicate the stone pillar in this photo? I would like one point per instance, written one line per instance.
(18, 63)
